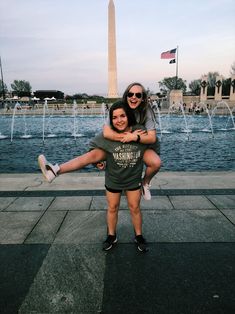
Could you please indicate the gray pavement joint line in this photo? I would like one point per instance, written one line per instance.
(221, 212)
(212, 202)
(92, 198)
(171, 202)
(67, 211)
(226, 217)
(5, 209)
(31, 230)
(39, 219)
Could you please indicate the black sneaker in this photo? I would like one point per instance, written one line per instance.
(141, 244)
(109, 242)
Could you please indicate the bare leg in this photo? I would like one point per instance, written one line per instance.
(153, 165)
(133, 199)
(113, 200)
(80, 162)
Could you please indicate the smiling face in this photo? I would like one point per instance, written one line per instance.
(135, 96)
(120, 120)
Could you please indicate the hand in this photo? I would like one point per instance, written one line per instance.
(100, 165)
(140, 132)
(128, 137)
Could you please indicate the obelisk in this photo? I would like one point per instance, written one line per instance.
(112, 59)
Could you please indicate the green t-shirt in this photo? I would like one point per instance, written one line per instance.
(124, 162)
(150, 124)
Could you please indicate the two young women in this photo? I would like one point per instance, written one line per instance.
(135, 98)
(134, 108)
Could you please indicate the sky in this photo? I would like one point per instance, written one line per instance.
(63, 44)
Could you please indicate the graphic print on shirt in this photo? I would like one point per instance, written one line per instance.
(126, 155)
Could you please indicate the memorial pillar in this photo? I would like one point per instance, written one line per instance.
(218, 88)
(232, 88)
(204, 84)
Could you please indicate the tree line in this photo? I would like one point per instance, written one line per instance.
(23, 88)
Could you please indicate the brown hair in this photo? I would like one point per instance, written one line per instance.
(121, 105)
(142, 108)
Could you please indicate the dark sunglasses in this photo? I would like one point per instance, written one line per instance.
(138, 95)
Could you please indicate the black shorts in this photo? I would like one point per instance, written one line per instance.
(120, 191)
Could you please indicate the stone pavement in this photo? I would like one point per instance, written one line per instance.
(51, 258)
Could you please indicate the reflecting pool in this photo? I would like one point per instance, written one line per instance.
(193, 149)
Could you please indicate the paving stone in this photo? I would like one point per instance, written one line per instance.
(157, 203)
(19, 181)
(172, 278)
(191, 253)
(187, 226)
(99, 203)
(223, 201)
(15, 226)
(230, 214)
(83, 227)
(5, 202)
(191, 202)
(70, 280)
(19, 266)
(71, 203)
(46, 229)
(30, 204)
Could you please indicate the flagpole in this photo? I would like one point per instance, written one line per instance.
(176, 76)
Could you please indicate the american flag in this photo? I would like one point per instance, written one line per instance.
(170, 54)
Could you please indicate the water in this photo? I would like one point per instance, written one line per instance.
(201, 149)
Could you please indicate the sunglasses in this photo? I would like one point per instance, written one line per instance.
(137, 95)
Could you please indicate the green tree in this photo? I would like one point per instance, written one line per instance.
(211, 80)
(195, 87)
(21, 88)
(169, 83)
(3, 89)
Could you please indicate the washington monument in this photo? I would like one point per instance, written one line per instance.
(112, 59)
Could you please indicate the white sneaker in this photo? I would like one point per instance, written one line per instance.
(49, 171)
(146, 191)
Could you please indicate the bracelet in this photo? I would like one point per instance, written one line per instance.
(138, 138)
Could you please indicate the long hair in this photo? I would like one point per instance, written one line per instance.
(142, 108)
(121, 105)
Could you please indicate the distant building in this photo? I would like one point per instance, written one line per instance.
(21, 94)
(48, 94)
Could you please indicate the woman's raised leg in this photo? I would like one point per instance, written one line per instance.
(50, 171)
(91, 157)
